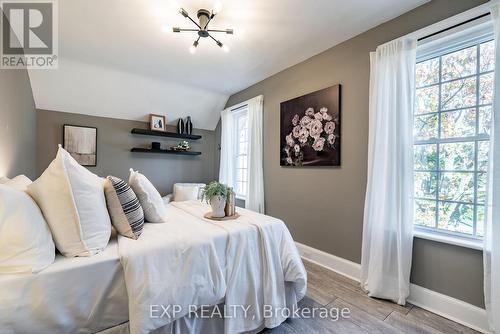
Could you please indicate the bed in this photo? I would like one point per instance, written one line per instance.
(187, 261)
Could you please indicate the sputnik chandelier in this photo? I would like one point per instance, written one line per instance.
(204, 19)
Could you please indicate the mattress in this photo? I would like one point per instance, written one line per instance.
(73, 295)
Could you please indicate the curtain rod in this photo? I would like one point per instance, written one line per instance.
(239, 107)
(453, 26)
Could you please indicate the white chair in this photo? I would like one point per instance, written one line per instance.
(184, 192)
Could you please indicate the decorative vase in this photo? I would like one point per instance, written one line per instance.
(230, 203)
(180, 126)
(189, 125)
(218, 204)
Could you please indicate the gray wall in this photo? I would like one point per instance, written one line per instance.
(114, 142)
(17, 124)
(323, 207)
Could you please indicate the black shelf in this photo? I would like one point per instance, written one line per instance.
(149, 150)
(146, 132)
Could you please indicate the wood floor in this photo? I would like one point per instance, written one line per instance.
(367, 315)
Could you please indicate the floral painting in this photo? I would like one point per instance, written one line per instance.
(310, 129)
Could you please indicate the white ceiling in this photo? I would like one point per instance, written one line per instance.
(116, 61)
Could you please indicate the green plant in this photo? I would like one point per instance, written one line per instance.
(213, 189)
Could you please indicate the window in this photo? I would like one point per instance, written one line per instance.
(454, 88)
(241, 153)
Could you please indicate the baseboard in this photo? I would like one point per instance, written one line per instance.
(443, 305)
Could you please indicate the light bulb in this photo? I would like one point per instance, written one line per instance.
(192, 49)
(166, 29)
(217, 6)
(225, 48)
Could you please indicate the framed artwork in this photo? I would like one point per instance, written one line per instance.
(310, 129)
(81, 143)
(157, 122)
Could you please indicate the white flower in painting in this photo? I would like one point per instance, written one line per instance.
(296, 131)
(305, 121)
(318, 116)
(310, 112)
(296, 148)
(329, 128)
(287, 150)
(331, 139)
(318, 145)
(303, 135)
(295, 120)
(289, 161)
(289, 140)
(327, 117)
(323, 110)
(316, 129)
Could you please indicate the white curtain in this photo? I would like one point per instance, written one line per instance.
(388, 215)
(491, 253)
(255, 190)
(226, 169)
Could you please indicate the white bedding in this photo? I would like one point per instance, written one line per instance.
(247, 261)
(187, 260)
(73, 295)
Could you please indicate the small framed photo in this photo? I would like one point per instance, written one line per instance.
(157, 123)
(81, 143)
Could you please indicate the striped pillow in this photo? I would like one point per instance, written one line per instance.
(124, 208)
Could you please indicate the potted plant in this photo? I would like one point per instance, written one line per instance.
(215, 194)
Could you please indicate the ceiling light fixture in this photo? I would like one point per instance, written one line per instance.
(204, 18)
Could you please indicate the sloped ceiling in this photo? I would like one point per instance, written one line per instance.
(115, 60)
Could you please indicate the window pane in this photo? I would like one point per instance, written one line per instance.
(459, 64)
(460, 123)
(481, 187)
(456, 156)
(457, 187)
(242, 162)
(243, 135)
(425, 213)
(480, 221)
(425, 184)
(426, 100)
(427, 72)
(486, 88)
(456, 217)
(487, 58)
(425, 157)
(242, 148)
(241, 175)
(482, 156)
(484, 120)
(458, 94)
(425, 127)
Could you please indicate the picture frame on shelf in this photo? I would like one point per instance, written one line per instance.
(157, 123)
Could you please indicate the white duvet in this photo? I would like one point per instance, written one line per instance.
(189, 260)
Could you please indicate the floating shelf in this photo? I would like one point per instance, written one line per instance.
(149, 150)
(146, 132)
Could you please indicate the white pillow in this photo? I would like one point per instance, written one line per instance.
(149, 197)
(26, 244)
(73, 203)
(20, 182)
(187, 191)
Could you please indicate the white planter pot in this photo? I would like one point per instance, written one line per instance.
(218, 204)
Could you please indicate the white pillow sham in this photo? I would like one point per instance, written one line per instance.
(26, 244)
(149, 197)
(187, 191)
(20, 182)
(73, 203)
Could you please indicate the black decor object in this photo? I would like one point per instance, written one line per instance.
(168, 151)
(189, 125)
(180, 126)
(155, 145)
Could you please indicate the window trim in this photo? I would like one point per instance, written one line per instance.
(433, 233)
(237, 113)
